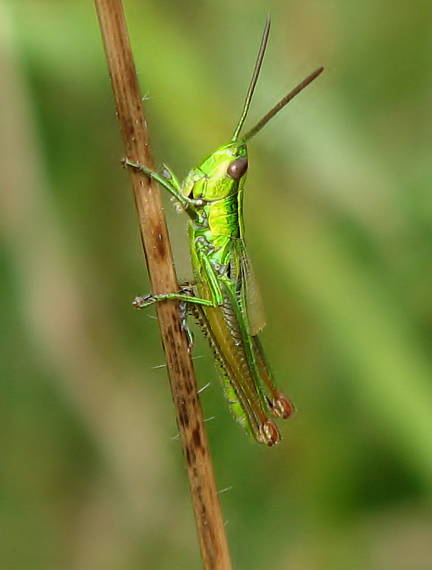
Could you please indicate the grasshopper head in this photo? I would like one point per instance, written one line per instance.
(224, 171)
(219, 175)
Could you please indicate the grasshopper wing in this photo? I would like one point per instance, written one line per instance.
(250, 293)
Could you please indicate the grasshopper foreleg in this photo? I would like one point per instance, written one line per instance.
(167, 180)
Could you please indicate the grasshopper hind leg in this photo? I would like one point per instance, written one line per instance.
(279, 404)
(241, 397)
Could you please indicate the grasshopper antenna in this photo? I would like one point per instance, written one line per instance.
(282, 103)
(254, 79)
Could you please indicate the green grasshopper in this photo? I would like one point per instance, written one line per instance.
(224, 297)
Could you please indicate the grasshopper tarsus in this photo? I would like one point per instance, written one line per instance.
(142, 301)
(269, 434)
(282, 407)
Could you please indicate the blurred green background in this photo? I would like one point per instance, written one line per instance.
(339, 225)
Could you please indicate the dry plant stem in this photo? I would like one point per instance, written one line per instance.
(211, 532)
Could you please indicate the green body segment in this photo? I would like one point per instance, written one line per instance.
(213, 234)
(222, 276)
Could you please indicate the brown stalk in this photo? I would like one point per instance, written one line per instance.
(157, 249)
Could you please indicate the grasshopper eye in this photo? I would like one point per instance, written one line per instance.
(237, 168)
